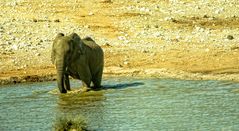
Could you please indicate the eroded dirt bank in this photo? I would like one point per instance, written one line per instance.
(182, 39)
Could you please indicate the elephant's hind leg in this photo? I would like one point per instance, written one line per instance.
(97, 79)
(85, 77)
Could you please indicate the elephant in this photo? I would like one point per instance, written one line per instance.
(81, 59)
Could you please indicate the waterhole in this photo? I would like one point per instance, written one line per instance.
(124, 104)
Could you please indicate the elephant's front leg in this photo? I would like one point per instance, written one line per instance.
(67, 82)
(85, 77)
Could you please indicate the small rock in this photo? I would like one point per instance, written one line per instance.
(157, 34)
(143, 9)
(1, 29)
(9, 43)
(121, 38)
(153, 54)
(170, 19)
(48, 25)
(144, 51)
(107, 45)
(120, 65)
(205, 16)
(199, 29)
(157, 7)
(14, 47)
(24, 66)
(178, 37)
(126, 63)
(146, 26)
(126, 42)
(174, 40)
(91, 13)
(9, 33)
(13, 4)
(230, 37)
(106, 1)
(14, 80)
(218, 11)
(167, 18)
(38, 54)
(86, 26)
(56, 20)
(35, 20)
(13, 38)
(202, 40)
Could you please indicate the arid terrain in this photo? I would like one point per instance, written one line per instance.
(183, 39)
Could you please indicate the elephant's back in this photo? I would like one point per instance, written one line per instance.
(90, 43)
(95, 49)
(95, 54)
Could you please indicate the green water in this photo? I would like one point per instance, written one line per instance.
(126, 104)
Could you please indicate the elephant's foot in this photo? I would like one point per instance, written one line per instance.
(63, 91)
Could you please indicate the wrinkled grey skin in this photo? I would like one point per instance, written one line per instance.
(80, 58)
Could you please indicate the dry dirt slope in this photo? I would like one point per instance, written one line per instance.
(169, 38)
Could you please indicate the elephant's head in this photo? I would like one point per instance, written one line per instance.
(63, 49)
(53, 53)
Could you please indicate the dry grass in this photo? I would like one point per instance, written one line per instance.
(70, 123)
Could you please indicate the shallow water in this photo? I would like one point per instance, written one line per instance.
(125, 104)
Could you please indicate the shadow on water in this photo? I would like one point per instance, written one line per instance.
(121, 85)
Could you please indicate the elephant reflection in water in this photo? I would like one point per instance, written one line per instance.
(87, 106)
(80, 102)
(80, 58)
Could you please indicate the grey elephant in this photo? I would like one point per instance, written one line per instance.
(79, 58)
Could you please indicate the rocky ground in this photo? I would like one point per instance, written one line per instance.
(182, 39)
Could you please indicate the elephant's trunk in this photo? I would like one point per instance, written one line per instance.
(60, 66)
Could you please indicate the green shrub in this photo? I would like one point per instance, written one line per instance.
(70, 123)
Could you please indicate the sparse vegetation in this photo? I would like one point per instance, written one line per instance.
(70, 123)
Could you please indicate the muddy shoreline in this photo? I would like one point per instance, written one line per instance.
(120, 72)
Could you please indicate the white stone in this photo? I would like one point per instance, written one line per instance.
(122, 38)
(91, 13)
(14, 47)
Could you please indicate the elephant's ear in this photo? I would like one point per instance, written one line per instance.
(81, 48)
(88, 41)
(77, 43)
(53, 52)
